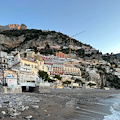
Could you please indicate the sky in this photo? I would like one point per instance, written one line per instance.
(100, 19)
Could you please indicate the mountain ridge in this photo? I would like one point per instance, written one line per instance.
(26, 38)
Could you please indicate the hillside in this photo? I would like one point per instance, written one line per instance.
(31, 38)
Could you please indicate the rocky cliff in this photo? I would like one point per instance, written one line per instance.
(25, 38)
(13, 27)
(29, 38)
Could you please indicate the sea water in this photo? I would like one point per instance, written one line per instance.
(104, 109)
(114, 108)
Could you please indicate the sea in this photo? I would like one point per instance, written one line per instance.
(105, 109)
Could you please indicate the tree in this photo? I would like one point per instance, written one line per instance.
(79, 81)
(43, 75)
(102, 75)
(67, 82)
(50, 80)
(47, 46)
(91, 84)
(58, 77)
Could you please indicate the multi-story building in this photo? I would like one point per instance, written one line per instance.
(70, 69)
(11, 78)
(54, 64)
(28, 69)
(35, 65)
(60, 54)
(48, 62)
(58, 66)
(3, 60)
(3, 65)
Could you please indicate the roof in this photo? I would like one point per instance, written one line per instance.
(39, 58)
(28, 60)
(10, 77)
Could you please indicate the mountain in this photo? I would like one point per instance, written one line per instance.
(118, 55)
(111, 58)
(13, 27)
(31, 38)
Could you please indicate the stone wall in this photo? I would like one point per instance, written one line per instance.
(44, 87)
(16, 89)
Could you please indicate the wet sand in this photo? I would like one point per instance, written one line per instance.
(69, 104)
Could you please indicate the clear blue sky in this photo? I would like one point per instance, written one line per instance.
(99, 18)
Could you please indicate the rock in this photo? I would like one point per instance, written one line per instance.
(41, 117)
(19, 103)
(48, 115)
(15, 114)
(0, 106)
(13, 27)
(35, 106)
(45, 110)
(10, 104)
(23, 27)
(22, 108)
(3, 112)
(32, 118)
(6, 101)
(26, 107)
(1, 116)
(28, 117)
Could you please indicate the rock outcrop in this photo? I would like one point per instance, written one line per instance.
(13, 27)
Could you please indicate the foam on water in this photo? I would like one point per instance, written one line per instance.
(114, 109)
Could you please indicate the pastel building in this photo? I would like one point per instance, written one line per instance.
(70, 69)
(28, 69)
(54, 64)
(60, 54)
(3, 60)
(58, 66)
(48, 62)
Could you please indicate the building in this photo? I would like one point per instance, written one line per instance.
(28, 70)
(60, 54)
(30, 54)
(55, 65)
(3, 60)
(70, 69)
(48, 62)
(10, 60)
(3, 65)
(35, 65)
(58, 66)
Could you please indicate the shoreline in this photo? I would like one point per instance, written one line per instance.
(59, 104)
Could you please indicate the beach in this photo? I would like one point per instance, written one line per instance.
(59, 104)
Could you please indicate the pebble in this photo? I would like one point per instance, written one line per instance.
(3, 112)
(26, 107)
(45, 110)
(35, 106)
(29, 117)
(0, 106)
(15, 104)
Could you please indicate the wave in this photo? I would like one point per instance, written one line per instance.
(115, 110)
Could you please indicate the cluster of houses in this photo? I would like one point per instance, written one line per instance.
(21, 68)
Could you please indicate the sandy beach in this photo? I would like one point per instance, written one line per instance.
(60, 104)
